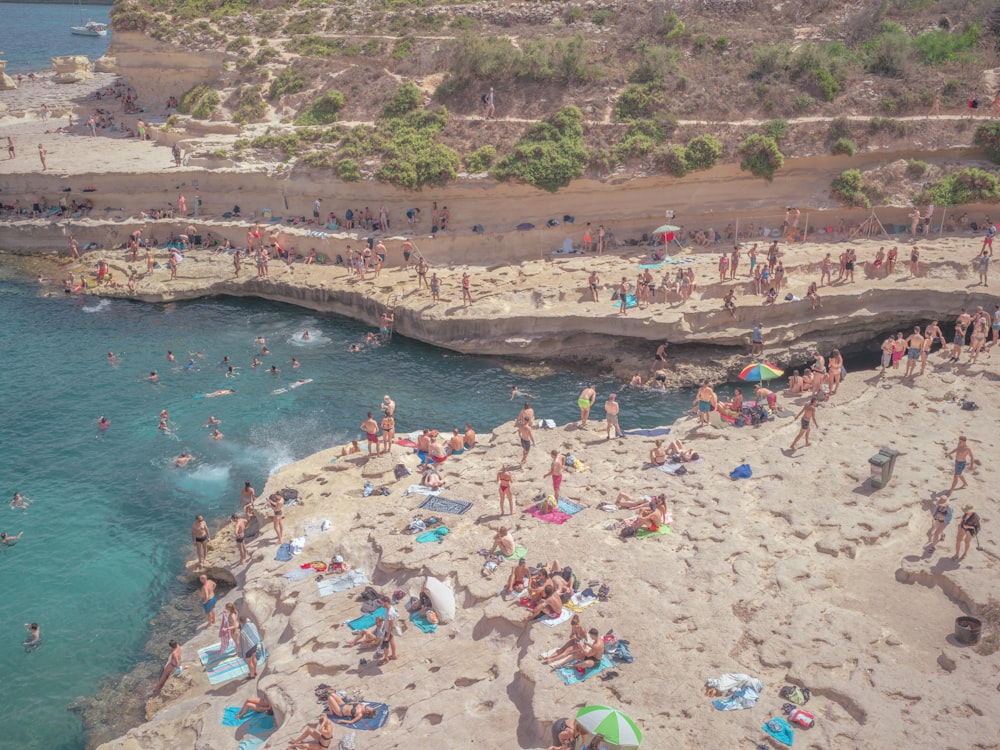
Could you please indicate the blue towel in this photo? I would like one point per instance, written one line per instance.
(229, 718)
(423, 623)
(567, 506)
(434, 535)
(366, 621)
(297, 575)
(742, 471)
(260, 724)
(781, 730)
(284, 553)
(653, 432)
(368, 723)
(630, 302)
(570, 676)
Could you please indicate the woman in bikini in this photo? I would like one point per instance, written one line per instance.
(321, 737)
(836, 367)
(570, 649)
(505, 480)
(824, 270)
(658, 455)
(890, 260)
(348, 713)
(979, 335)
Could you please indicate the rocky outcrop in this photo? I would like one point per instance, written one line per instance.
(157, 69)
(6, 82)
(71, 69)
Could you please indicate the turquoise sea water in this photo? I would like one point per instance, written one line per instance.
(108, 531)
(35, 32)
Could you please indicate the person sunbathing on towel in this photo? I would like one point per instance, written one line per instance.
(348, 713)
(578, 651)
(577, 634)
(370, 637)
(537, 584)
(432, 479)
(320, 738)
(627, 502)
(677, 451)
(258, 703)
(550, 607)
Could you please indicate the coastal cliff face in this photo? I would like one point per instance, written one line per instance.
(543, 311)
(153, 67)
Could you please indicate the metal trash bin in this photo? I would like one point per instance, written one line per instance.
(882, 464)
(968, 630)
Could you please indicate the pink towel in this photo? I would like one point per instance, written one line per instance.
(555, 516)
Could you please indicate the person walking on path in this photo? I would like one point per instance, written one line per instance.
(963, 459)
(10, 148)
(489, 109)
(42, 153)
(808, 416)
(968, 527)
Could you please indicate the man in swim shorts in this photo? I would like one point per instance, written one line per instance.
(705, 400)
(527, 439)
(201, 536)
(208, 597)
(914, 344)
(963, 459)
(239, 535)
(808, 416)
(370, 428)
(585, 400)
(611, 410)
(556, 471)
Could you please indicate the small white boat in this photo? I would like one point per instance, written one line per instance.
(91, 28)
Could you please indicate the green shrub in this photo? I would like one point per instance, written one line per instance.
(574, 14)
(840, 127)
(602, 16)
(312, 45)
(701, 43)
(250, 106)
(289, 81)
(190, 98)
(206, 106)
(639, 100)
(848, 188)
(672, 160)
(937, 46)
(844, 147)
(240, 42)
(481, 159)
(322, 159)
(987, 137)
(372, 48)
(916, 168)
(407, 98)
(803, 103)
(599, 160)
(702, 152)
(303, 23)
(220, 153)
(488, 58)
(822, 67)
(656, 64)
(462, 23)
(549, 155)
(770, 60)
(347, 170)
(776, 130)
(888, 53)
(721, 44)
(962, 187)
(671, 27)
(169, 124)
(323, 111)
(288, 143)
(761, 156)
(403, 48)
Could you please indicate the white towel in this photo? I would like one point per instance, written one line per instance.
(566, 614)
(316, 527)
(419, 489)
(298, 543)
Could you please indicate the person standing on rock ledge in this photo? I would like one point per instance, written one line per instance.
(586, 400)
(208, 597)
(757, 340)
(370, 428)
(201, 536)
(172, 667)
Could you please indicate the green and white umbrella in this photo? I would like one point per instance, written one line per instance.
(617, 728)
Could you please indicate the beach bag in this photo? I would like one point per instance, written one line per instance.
(740, 421)
(621, 653)
(628, 530)
(801, 717)
(969, 405)
(401, 470)
(795, 694)
(743, 471)
(370, 595)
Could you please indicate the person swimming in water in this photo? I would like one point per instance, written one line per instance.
(306, 336)
(153, 377)
(212, 422)
(216, 435)
(19, 501)
(354, 348)
(112, 359)
(10, 541)
(34, 639)
(183, 460)
(103, 422)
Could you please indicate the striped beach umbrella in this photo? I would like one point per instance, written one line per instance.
(617, 728)
(761, 371)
